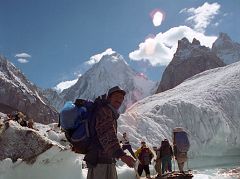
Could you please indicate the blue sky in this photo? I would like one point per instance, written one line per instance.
(50, 40)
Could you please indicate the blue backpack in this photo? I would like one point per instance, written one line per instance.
(76, 119)
(182, 141)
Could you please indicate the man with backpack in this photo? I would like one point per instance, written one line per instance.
(126, 144)
(166, 154)
(145, 155)
(181, 146)
(104, 147)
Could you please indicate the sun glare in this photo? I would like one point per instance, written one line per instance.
(157, 18)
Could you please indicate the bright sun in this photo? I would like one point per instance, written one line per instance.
(157, 18)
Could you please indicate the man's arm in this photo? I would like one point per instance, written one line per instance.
(107, 133)
(138, 152)
(175, 151)
(171, 151)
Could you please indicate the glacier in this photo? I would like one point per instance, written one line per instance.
(206, 105)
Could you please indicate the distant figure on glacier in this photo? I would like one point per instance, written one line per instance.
(157, 162)
(145, 155)
(106, 148)
(181, 146)
(126, 144)
(20, 118)
(166, 154)
(30, 123)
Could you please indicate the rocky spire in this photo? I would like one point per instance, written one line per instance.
(189, 60)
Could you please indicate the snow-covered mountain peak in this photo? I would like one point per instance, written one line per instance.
(10, 73)
(226, 49)
(111, 70)
(97, 57)
(110, 61)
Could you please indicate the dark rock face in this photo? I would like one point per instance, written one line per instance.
(189, 60)
(20, 94)
(21, 142)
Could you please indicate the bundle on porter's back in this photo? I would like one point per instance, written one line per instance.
(78, 121)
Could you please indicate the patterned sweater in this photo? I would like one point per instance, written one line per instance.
(106, 130)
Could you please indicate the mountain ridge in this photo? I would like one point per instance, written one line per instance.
(17, 92)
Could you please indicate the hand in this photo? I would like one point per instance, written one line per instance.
(128, 160)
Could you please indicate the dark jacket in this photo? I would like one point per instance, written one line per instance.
(165, 150)
(105, 146)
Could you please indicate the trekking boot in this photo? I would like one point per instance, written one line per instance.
(182, 172)
(149, 177)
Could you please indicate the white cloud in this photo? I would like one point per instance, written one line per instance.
(65, 84)
(183, 10)
(160, 49)
(202, 16)
(96, 58)
(22, 60)
(23, 55)
(77, 74)
(153, 51)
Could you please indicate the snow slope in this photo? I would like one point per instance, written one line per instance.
(207, 105)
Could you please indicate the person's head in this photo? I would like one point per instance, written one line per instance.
(30, 123)
(21, 115)
(166, 142)
(79, 102)
(124, 134)
(143, 144)
(155, 148)
(116, 96)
